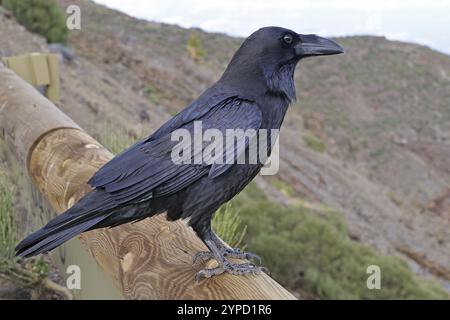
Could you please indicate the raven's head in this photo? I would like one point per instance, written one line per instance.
(270, 55)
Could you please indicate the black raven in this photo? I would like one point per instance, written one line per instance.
(254, 92)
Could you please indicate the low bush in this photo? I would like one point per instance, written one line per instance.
(44, 17)
(311, 250)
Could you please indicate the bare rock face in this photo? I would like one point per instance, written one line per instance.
(64, 52)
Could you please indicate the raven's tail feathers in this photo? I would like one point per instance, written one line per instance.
(45, 240)
(63, 227)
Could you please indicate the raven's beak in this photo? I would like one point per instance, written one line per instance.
(312, 45)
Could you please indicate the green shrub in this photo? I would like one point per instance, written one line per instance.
(314, 143)
(152, 93)
(44, 17)
(6, 3)
(311, 250)
(283, 187)
(195, 48)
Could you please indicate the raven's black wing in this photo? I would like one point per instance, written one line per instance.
(211, 98)
(147, 170)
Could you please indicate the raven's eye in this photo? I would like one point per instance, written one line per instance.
(287, 38)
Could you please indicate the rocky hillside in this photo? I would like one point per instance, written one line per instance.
(369, 134)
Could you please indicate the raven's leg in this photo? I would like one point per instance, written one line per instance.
(226, 251)
(218, 251)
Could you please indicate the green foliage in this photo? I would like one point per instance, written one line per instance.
(31, 274)
(152, 94)
(7, 4)
(228, 226)
(195, 48)
(283, 187)
(44, 17)
(7, 233)
(40, 267)
(314, 143)
(311, 249)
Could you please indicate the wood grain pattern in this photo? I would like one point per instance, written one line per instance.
(151, 259)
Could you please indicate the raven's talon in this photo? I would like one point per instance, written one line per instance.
(238, 254)
(243, 269)
(232, 268)
(208, 273)
(252, 256)
(203, 256)
(229, 253)
(265, 270)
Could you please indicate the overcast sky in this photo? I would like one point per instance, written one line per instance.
(426, 22)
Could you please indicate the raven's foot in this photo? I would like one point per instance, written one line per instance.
(233, 268)
(220, 252)
(229, 253)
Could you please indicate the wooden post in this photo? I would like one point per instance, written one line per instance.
(38, 69)
(151, 259)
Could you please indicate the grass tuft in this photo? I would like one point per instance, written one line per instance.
(228, 226)
(314, 143)
(7, 233)
(114, 138)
